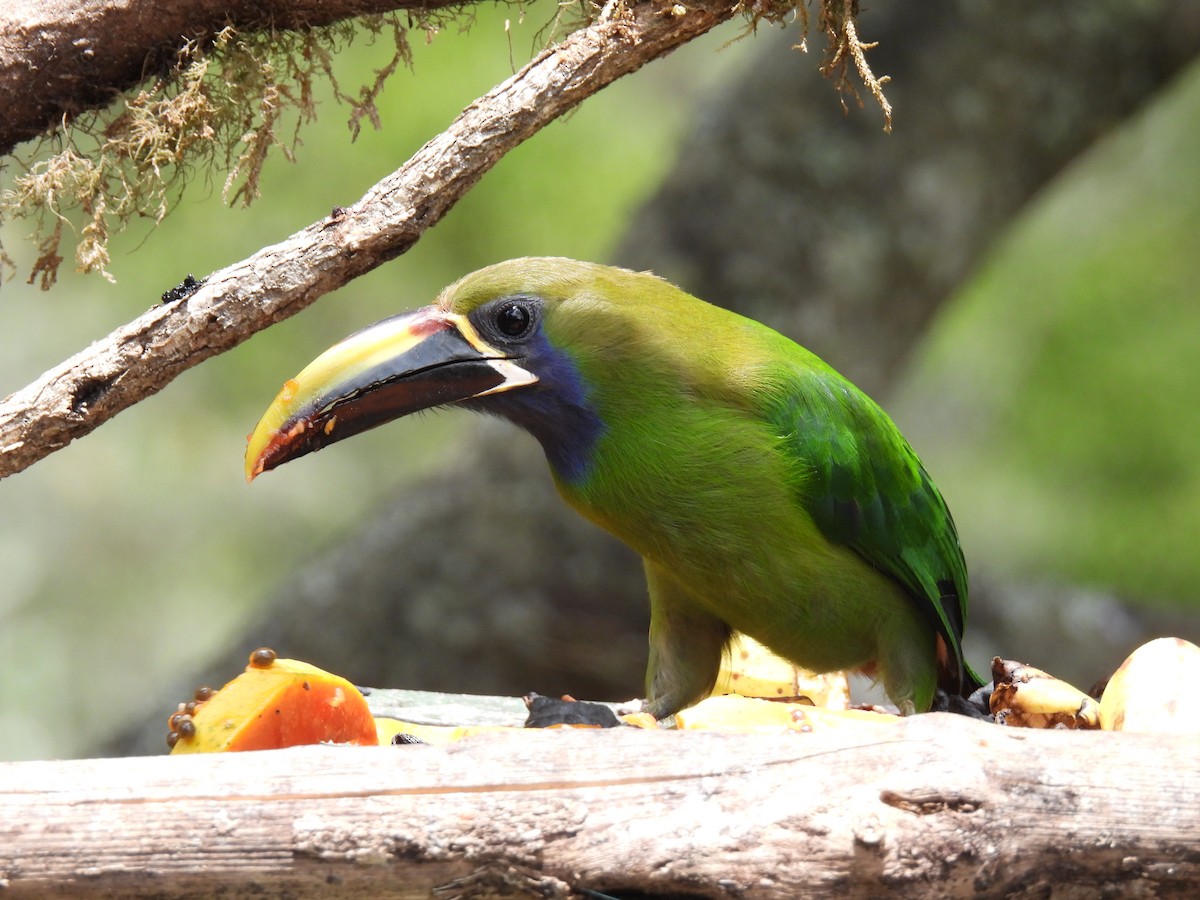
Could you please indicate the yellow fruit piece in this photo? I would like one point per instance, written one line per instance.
(747, 714)
(1155, 690)
(275, 703)
(439, 735)
(1027, 697)
(751, 670)
(639, 720)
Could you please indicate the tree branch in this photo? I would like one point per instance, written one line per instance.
(275, 283)
(60, 59)
(937, 804)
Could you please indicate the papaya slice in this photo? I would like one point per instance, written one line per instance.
(274, 703)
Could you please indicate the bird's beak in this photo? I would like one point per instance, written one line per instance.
(395, 367)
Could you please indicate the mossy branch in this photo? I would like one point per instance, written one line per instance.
(220, 104)
(58, 60)
(221, 100)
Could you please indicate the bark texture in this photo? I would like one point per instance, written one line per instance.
(937, 804)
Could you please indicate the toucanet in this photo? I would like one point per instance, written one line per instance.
(765, 493)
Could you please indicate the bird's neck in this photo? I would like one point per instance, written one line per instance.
(567, 431)
(559, 411)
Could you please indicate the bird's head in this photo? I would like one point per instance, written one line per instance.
(525, 339)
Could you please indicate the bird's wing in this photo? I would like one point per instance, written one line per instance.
(865, 487)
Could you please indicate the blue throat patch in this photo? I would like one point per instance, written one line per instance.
(556, 410)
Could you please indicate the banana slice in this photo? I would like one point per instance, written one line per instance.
(1026, 697)
(751, 670)
(1155, 690)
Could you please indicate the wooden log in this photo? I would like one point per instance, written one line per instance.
(936, 804)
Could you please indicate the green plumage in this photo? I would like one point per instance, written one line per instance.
(764, 491)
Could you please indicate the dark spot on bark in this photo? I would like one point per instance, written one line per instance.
(88, 394)
(184, 289)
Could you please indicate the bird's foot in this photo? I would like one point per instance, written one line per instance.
(977, 706)
(547, 712)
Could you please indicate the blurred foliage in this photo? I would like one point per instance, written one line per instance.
(1062, 383)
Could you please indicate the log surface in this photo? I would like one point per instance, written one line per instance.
(937, 803)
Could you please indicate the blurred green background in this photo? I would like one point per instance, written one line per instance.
(1070, 369)
(1067, 370)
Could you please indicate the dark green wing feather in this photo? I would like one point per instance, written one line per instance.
(865, 488)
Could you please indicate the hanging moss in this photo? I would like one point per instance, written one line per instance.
(223, 103)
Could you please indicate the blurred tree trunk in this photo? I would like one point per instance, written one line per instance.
(785, 209)
(849, 239)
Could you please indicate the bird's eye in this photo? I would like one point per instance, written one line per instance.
(513, 319)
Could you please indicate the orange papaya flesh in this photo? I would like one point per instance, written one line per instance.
(274, 703)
